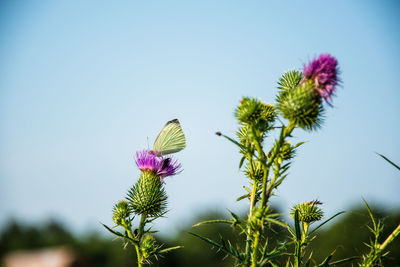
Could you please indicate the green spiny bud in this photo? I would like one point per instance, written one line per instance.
(302, 106)
(268, 113)
(256, 222)
(148, 246)
(308, 211)
(256, 113)
(148, 196)
(286, 152)
(254, 171)
(249, 110)
(121, 212)
(246, 137)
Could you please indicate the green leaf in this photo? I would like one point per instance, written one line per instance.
(118, 233)
(229, 250)
(292, 232)
(241, 162)
(370, 214)
(388, 160)
(214, 221)
(335, 263)
(113, 231)
(307, 264)
(243, 197)
(235, 217)
(166, 250)
(299, 144)
(277, 222)
(327, 259)
(234, 141)
(319, 226)
(209, 241)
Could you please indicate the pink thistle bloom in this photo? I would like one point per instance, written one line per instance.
(323, 73)
(163, 167)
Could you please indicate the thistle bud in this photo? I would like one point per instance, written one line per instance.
(302, 106)
(286, 153)
(254, 171)
(253, 112)
(148, 195)
(121, 212)
(148, 246)
(308, 211)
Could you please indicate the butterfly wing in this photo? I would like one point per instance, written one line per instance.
(171, 139)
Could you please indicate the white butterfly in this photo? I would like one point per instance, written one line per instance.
(170, 140)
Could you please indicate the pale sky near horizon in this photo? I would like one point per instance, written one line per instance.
(85, 84)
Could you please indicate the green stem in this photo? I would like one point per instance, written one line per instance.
(252, 203)
(390, 238)
(263, 161)
(255, 248)
(141, 226)
(139, 237)
(298, 254)
(135, 243)
(285, 132)
(139, 256)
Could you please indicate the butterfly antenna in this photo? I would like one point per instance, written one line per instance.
(148, 147)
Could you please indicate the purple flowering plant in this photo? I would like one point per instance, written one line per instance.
(299, 105)
(147, 198)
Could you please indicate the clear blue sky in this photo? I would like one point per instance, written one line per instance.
(85, 84)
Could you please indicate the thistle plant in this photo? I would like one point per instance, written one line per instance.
(147, 198)
(378, 250)
(299, 104)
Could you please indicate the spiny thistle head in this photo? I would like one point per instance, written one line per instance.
(148, 195)
(302, 106)
(159, 165)
(148, 246)
(121, 212)
(286, 152)
(253, 112)
(246, 136)
(308, 211)
(254, 171)
(322, 72)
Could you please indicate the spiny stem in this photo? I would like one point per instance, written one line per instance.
(285, 132)
(256, 234)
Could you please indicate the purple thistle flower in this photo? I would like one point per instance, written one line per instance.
(163, 167)
(323, 73)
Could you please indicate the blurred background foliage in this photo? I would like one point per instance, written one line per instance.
(347, 235)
